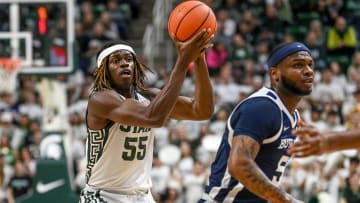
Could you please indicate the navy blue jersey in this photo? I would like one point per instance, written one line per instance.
(263, 117)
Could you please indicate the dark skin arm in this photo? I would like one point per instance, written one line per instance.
(312, 142)
(243, 168)
(201, 106)
(107, 105)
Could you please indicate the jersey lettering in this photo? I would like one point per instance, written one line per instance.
(133, 129)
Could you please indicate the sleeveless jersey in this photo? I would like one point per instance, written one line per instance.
(271, 158)
(119, 157)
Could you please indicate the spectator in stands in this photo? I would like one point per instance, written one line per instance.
(316, 27)
(335, 8)
(338, 75)
(7, 101)
(272, 23)
(257, 7)
(34, 146)
(194, 182)
(285, 11)
(99, 33)
(20, 183)
(233, 7)
(226, 27)
(186, 162)
(351, 192)
(6, 172)
(353, 119)
(288, 37)
(6, 149)
(353, 78)
(120, 17)
(352, 102)
(316, 118)
(317, 51)
(9, 128)
(328, 91)
(341, 39)
(323, 12)
(243, 28)
(88, 22)
(216, 57)
(23, 122)
(239, 53)
(252, 23)
(111, 29)
(227, 89)
(160, 175)
(355, 64)
(28, 160)
(217, 126)
(261, 55)
(31, 106)
(333, 121)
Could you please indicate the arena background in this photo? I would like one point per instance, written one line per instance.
(48, 53)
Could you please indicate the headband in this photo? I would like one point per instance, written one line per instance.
(106, 52)
(286, 51)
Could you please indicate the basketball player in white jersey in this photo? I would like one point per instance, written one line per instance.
(121, 114)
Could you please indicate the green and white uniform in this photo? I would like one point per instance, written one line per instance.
(119, 161)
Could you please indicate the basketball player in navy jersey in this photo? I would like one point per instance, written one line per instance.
(121, 114)
(253, 152)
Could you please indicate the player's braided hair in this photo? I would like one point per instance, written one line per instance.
(102, 77)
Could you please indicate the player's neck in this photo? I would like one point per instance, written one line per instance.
(289, 100)
(128, 92)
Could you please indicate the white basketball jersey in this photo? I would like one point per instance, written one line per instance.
(119, 157)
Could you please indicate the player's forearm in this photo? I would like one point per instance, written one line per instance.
(249, 174)
(342, 140)
(204, 101)
(161, 106)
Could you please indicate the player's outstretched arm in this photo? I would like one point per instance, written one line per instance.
(243, 167)
(316, 143)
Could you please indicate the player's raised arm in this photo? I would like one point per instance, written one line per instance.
(201, 106)
(129, 111)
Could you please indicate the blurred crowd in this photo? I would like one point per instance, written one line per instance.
(247, 31)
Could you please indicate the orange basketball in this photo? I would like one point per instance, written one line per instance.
(191, 17)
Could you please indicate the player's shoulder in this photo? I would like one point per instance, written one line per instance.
(257, 107)
(103, 96)
(259, 103)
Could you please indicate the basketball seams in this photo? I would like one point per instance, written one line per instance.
(201, 24)
(189, 11)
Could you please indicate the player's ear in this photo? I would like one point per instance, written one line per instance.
(275, 74)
